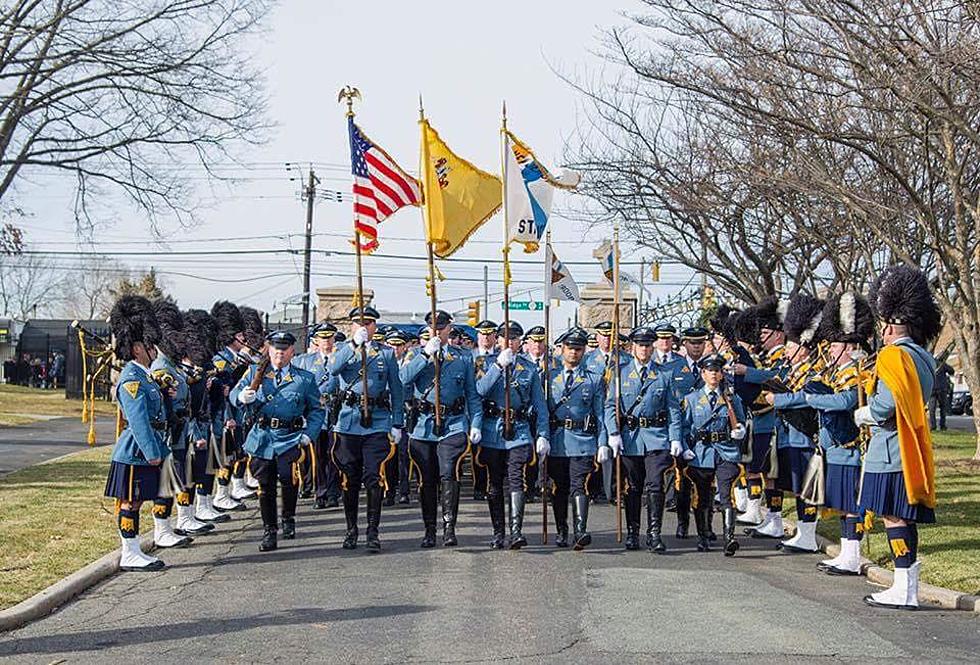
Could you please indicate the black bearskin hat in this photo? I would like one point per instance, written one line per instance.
(770, 313)
(746, 326)
(171, 323)
(200, 336)
(847, 318)
(803, 318)
(132, 320)
(229, 320)
(254, 329)
(901, 296)
(722, 321)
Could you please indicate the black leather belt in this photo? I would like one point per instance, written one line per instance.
(292, 424)
(634, 422)
(491, 410)
(571, 424)
(382, 401)
(158, 424)
(713, 437)
(455, 409)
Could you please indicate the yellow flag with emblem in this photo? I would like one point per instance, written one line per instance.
(458, 197)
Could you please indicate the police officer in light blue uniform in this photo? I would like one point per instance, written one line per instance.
(365, 438)
(326, 480)
(399, 467)
(134, 473)
(578, 436)
(536, 348)
(508, 452)
(486, 347)
(909, 320)
(288, 415)
(648, 435)
(714, 449)
(687, 377)
(597, 362)
(437, 448)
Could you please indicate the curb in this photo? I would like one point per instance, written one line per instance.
(937, 596)
(47, 601)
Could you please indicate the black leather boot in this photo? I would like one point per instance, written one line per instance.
(268, 540)
(428, 501)
(375, 495)
(495, 501)
(683, 500)
(711, 514)
(632, 502)
(728, 520)
(517, 539)
(450, 509)
(580, 521)
(288, 528)
(655, 521)
(559, 506)
(701, 517)
(351, 498)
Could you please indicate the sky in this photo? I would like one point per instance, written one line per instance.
(465, 59)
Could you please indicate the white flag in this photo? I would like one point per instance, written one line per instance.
(604, 253)
(563, 286)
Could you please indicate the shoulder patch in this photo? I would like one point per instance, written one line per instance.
(220, 364)
(132, 387)
(685, 368)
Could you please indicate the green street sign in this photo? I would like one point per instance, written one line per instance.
(524, 305)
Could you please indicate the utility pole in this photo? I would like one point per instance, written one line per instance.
(310, 193)
(486, 293)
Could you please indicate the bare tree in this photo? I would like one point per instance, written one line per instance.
(148, 284)
(121, 93)
(28, 285)
(88, 293)
(876, 105)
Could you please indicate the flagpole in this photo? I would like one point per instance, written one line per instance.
(347, 94)
(547, 378)
(508, 433)
(437, 360)
(617, 381)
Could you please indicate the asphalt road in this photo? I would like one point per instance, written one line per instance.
(30, 444)
(222, 600)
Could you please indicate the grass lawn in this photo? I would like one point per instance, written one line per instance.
(54, 521)
(950, 549)
(19, 404)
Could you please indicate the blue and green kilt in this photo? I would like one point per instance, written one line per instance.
(792, 468)
(884, 494)
(132, 482)
(842, 488)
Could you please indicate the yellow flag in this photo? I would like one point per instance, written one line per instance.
(459, 197)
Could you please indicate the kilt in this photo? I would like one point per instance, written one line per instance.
(884, 494)
(761, 446)
(792, 468)
(842, 488)
(132, 482)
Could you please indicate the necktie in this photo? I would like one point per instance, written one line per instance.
(643, 375)
(278, 377)
(569, 377)
(713, 400)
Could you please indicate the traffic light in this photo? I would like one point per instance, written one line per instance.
(473, 312)
(655, 271)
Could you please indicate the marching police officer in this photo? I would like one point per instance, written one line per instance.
(510, 441)
(437, 448)
(648, 435)
(687, 377)
(714, 424)
(536, 345)
(368, 424)
(399, 467)
(597, 362)
(287, 412)
(486, 347)
(325, 478)
(575, 406)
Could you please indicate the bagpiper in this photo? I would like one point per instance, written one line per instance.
(507, 452)
(368, 424)
(134, 473)
(898, 470)
(647, 433)
(285, 405)
(577, 437)
(437, 448)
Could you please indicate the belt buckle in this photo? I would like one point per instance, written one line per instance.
(274, 423)
(569, 424)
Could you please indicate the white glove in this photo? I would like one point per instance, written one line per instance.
(738, 433)
(432, 347)
(396, 434)
(863, 416)
(305, 440)
(360, 336)
(688, 455)
(476, 435)
(542, 446)
(505, 358)
(604, 454)
(247, 395)
(676, 449)
(615, 444)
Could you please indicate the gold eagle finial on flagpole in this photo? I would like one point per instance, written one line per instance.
(348, 94)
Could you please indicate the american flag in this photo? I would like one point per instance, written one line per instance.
(380, 186)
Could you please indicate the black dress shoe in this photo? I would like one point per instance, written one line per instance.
(479, 495)
(429, 539)
(389, 499)
(320, 504)
(289, 529)
(561, 538)
(333, 502)
(268, 540)
(632, 541)
(350, 539)
(306, 494)
(497, 542)
(404, 500)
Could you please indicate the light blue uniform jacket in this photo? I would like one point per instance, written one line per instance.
(141, 403)
(382, 374)
(456, 382)
(658, 398)
(583, 399)
(526, 396)
(700, 417)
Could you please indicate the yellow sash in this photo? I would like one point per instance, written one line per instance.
(897, 369)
